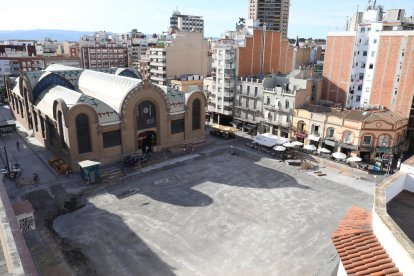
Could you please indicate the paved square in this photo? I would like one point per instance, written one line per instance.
(222, 214)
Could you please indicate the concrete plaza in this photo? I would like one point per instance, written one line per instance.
(226, 212)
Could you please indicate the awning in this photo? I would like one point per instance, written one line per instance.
(383, 150)
(236, 122)
(301, 134)
(349, 146)
(250, 127)
(267, 140)
(88, 163)
(314, 138)
(330, 143)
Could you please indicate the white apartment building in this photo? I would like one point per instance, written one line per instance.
(365, 53)
(281, 96)
(186, 23)
(224, 80)
(248, 105)
(158, 65)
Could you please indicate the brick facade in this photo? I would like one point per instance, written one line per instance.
(277, 54)
(337, 68)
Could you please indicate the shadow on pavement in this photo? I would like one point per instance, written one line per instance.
(181, 191)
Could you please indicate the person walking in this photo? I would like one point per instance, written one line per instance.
(18, 145)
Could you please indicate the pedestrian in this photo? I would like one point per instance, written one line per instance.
(18, 145)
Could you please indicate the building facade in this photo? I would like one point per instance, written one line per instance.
(101, 50)
(248, 105)
(281, 96)
(274, 14)
(182, 53)
(367, 134)
(83, 114)
(371, 66)
(186, 23)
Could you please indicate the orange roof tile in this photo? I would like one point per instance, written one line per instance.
(357, 246)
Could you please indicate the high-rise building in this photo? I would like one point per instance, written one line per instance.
(103, 50)
(275, 14)
(249, 52)
(186, 23)
(372, 65)
(178, 54)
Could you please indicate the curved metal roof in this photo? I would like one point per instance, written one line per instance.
(110, 89)
(46, 99)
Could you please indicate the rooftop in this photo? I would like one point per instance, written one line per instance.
(358, 248)
(401, 210)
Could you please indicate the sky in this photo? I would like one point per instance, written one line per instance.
(308, 18)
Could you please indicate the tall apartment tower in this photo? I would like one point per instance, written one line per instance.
(273, 13)
(186, 23)
(372, 64)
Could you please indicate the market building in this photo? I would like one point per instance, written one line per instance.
(83, 114)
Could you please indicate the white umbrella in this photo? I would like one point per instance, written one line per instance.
(288, 145)
(279, 148)
(324, 150)
(280, 142)
(354, 159)
(297, 143)
(310, 147)
(339, 155)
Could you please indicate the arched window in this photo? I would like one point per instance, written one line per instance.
(301, 125)
(384, 140)
(82, 128)
(196, 114)
(146, 115)
(347, 138)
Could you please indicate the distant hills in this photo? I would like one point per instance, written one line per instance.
(41, 34)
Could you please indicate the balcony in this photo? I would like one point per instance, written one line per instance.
(277, 108)
(158, 71)
(157, 63)
(158, 78)
(251, 96)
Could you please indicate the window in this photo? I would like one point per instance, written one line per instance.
(112, 138)
(371, 66)
(348, 137)
(269, 116)
(373, 54)
(241, 89)
(256, 91)
(196, 114)
(146, 115)
(301, 126)
(82, 127)
(248, 89)
(268, 101)
(286, 104)
(383, 141)
(375, 41)
(51, 133)
(364, 53)
(330, 132)
(367, 140)
(177, 126)
(358, 98)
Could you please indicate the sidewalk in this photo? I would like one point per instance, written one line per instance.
(32, 157)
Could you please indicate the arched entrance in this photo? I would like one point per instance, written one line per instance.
(146, 140)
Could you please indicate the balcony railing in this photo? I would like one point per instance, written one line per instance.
(277, 108)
